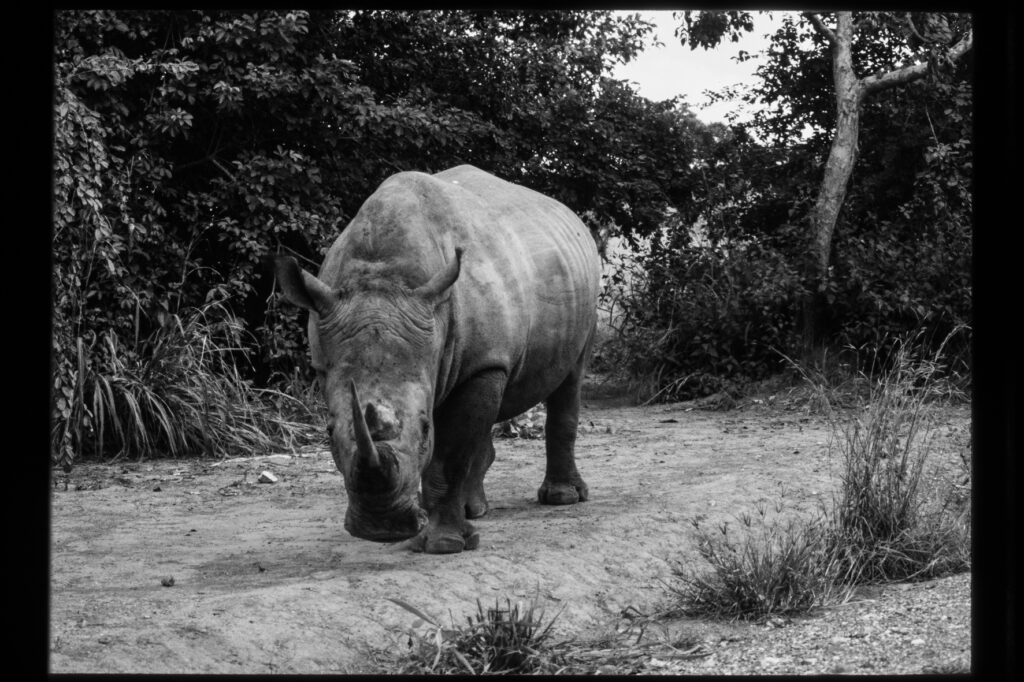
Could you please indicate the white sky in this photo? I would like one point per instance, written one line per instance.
(664, 72)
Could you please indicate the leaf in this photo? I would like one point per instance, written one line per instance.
(415, 611)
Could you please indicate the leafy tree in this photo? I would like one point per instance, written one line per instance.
(723, 287)
(910, 147)
(191, 144)
(942, 47)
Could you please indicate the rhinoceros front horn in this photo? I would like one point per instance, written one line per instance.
(368, 454)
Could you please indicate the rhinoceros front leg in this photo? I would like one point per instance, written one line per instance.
(562, 482)
(453, 481)
(476, 500)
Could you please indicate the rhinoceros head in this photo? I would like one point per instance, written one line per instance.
(376, 346)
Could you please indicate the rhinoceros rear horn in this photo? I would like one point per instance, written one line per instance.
(439, 283)
(302, 288)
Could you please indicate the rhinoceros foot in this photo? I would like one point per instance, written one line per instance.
(445, 540)
(476, 505)
(551, 492)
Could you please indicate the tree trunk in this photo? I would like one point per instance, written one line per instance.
(838, 168)
(850, 92)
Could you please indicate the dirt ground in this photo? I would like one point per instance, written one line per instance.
(265, 579)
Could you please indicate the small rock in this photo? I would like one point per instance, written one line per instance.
(917, 642)
(267, 477)
(156, 488)
(168, 581)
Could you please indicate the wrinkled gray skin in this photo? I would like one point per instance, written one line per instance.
(450, 302)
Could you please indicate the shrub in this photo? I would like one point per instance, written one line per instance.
(499, 640)
(695, 320)
(888, 522)
(885, 528)
(178, 392)
(772, 566)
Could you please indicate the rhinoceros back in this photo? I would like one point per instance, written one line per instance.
(525, 301)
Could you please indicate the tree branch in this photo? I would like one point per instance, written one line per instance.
(820, 26)
(196, 162)
(913, 28)
(223, 170)
(914, 71)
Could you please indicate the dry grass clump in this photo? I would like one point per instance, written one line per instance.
(885, 526)
(502, 640)
(511, 639)
(888, 522)
(770, 564)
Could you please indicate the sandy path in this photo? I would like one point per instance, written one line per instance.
(266, 579)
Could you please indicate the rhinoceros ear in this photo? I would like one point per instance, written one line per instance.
(439, 284)
(302, 288)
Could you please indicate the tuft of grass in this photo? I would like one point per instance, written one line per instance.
(507, 639)
(886, 527)
(769, 565)
(888, 522)
(178, 393)
(510, 639)
(831, 383)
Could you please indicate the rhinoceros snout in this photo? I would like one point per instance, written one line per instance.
(390, 527)
(382, 422)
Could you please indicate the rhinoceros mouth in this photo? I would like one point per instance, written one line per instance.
(385, 526)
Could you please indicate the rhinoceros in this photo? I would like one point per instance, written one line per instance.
(450, 302)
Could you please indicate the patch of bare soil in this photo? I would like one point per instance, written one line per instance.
(196, 567)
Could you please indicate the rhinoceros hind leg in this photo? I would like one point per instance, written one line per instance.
(562, 482)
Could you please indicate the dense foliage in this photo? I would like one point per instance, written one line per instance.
(716, 300)
(189, 145)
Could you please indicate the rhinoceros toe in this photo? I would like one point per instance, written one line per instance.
(562, 493)
(476, 506)
(445, 541)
